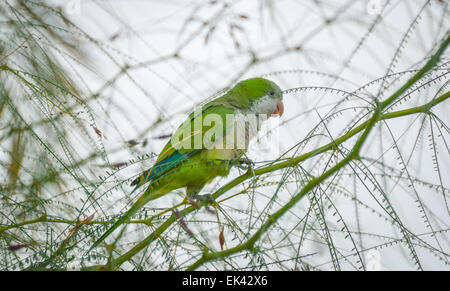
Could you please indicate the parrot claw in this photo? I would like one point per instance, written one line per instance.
(203, 198)
(243, 163)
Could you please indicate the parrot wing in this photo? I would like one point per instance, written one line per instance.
(183, 145)
(171, 156)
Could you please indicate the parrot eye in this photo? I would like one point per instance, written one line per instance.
(271, 93)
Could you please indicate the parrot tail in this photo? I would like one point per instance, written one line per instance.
(148, 195)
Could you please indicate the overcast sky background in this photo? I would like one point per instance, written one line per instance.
(331, 37)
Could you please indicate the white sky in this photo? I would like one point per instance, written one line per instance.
(134, 31)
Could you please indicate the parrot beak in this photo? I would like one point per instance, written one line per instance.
(280, 109)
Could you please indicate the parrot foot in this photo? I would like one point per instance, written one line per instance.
(203, 198)
(243, 163)
(194, 198)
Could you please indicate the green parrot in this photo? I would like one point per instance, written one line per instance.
(208, 144)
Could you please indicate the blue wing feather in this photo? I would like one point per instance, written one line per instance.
(163, 166)
(174, 157)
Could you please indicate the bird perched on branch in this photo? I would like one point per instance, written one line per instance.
(208, 144)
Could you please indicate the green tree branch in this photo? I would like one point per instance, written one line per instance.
(354, 154)
(365, 128)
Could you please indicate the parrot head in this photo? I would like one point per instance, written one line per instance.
(262, 96)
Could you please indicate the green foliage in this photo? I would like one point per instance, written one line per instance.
(362, 174)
